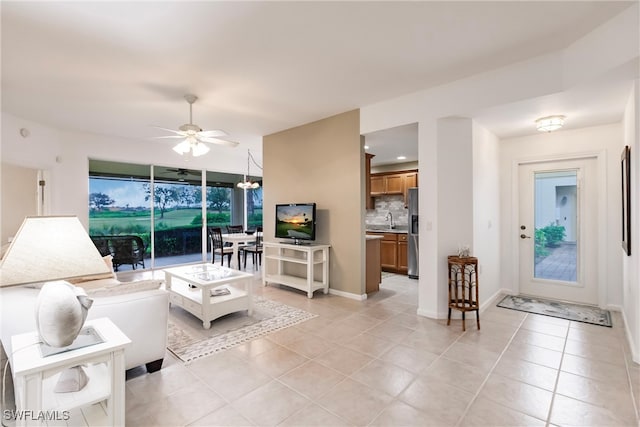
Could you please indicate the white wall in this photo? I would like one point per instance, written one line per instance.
(631, 264)
(605, 140)
(486, 211)
(65, 155)
(612, 46)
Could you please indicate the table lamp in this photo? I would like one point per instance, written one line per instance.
(49, 249)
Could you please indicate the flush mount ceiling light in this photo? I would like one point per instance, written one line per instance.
(247, 184)
(550, 123)
(195, 137)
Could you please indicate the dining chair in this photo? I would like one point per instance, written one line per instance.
(218, 247)
(235, 229)
(254, 249)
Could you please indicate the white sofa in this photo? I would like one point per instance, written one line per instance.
(141, 315)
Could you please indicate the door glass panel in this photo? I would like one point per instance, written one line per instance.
(177, 201)
(118, 207)
(556, 225)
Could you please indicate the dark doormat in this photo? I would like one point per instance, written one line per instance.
(563, 310)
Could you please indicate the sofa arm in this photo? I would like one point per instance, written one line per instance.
(141, 316)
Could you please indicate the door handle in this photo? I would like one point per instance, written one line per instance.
(524, 236)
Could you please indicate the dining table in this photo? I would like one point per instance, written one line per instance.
(236, 239)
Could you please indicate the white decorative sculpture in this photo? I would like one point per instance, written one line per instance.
(464, 251)
(61, 310)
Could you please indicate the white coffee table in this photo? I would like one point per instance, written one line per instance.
(204, 278)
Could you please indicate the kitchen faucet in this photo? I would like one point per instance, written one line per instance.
(389, 218)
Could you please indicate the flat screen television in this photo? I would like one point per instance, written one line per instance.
(296, 221)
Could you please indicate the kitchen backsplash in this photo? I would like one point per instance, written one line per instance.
(384, 204)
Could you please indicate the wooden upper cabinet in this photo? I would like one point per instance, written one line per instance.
(394, 184)
(410, 180)
(377, 185)
(387, 184)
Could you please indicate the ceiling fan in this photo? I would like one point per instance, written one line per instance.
(182, 174)
(194, 136)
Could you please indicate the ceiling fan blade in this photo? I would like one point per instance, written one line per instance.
(169, 136)
(179, 132)
(212, 133)
(219, 141)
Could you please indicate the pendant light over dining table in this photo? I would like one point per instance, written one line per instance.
(247, 184)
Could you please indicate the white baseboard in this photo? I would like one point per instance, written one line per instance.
(455, 314)
(635, 352)
(492, 300)
(348, 295)
(429, 314)
(614, 307)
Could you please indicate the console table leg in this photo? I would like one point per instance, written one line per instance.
(449, 317)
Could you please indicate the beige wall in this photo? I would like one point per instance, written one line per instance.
(19, 198)
(322, 162)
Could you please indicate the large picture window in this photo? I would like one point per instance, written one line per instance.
(166, 211)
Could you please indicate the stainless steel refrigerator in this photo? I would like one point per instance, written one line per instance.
(412, 255)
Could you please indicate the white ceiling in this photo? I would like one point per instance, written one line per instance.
(115, 68)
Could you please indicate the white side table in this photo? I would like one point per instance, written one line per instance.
(100, 402)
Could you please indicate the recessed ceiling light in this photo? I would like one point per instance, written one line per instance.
(401, 157)
(366, 147)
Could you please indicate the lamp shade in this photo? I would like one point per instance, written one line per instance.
(50, 248)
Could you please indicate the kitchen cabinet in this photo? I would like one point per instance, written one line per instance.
(410, 181)
(373, 270)
(393, 252)
(387, 184)
(403, 261)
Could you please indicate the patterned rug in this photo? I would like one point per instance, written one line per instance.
(575, 312)
(188, 340)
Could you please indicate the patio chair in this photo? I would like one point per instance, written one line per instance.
(127, 250)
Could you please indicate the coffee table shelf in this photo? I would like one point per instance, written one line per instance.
(198, 301)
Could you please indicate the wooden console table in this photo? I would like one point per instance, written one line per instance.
(463, 287)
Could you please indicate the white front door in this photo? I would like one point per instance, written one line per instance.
(558, 230)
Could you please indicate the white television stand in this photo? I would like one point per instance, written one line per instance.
(277, 255)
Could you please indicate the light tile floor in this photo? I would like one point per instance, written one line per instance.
(377, 363)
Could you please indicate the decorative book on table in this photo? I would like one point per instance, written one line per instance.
(219, 292)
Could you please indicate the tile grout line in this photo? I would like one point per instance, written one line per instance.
(477, 393)
(555, 386)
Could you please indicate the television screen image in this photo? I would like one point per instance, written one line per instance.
(296, 221)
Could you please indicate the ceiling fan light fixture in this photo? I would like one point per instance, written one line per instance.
(549, 123)
(192, 145)
(195, 136)
(199, 149)
(183, 147)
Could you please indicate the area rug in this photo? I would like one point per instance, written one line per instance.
(188, 340)
(575, 312)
